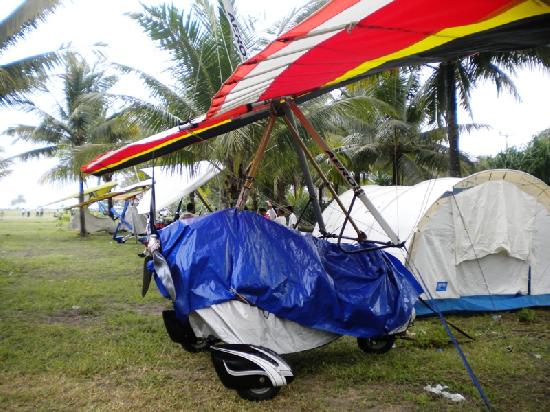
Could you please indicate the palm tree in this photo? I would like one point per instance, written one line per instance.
(21, 76)
(451, 82)
(4, 166)
(382, 120)
(199, 41)
(80, 129)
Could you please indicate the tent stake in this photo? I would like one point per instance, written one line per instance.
(253, 169)
(323, 177)
(359, 192)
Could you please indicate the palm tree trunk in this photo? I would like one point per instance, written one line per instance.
(296, 184)
(227, 192)
(81, 209)
(451, 117)
(109, 178)
(280, 192)
(235, 186)
(255, 201)
(396, 178)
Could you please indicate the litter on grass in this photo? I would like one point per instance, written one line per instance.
(440, 390)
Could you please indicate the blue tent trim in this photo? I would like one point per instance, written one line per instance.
(231, 255)
(483, 303)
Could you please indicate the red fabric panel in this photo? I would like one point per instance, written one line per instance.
(324, 14)
(414, 20)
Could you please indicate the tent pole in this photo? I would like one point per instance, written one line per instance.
(291, 124)
(253, 169)
(359, 192)
(323, 177)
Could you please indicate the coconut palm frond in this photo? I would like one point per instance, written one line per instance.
(24, 19)
(5, 165)
(22, 76)
(166, 94)
(47, 151)
(181, 35)
(151, 117)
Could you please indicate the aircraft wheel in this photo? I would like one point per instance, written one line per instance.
(181, 332)
(381, 344)
(259, 394)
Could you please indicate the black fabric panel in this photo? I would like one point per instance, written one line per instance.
(524, 34)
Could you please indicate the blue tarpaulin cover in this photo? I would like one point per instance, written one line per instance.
(231, 254)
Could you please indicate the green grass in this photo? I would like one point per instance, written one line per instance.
(75, 334)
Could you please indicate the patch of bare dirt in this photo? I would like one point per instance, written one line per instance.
(72, 317)
(150, 308)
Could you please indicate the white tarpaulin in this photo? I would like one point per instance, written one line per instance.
(171, 186)
(237, 322)
(485, 235)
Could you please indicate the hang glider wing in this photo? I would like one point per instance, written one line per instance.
(171, 187)
(89, 193)
(95, 199)
(123, 193)
(345, 41)
(130, 195)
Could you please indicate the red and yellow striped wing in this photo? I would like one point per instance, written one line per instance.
(342, 42)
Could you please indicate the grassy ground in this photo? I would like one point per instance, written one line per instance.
(75, 334)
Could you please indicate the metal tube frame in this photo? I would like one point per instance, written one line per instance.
(323, 177)
(359, 192)
(291, 124)
(253, 169)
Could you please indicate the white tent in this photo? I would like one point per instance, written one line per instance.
(170, 186)
(478, 243)
(92, 223)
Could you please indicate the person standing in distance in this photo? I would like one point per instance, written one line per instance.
(271, 213)
(189, 211)
(281, 218)
(292, 219)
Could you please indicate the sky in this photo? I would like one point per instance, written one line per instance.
(83, 23)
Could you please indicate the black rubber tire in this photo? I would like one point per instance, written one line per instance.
(181, 332)
(191, 343)
(381, 344)
(259, 394)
